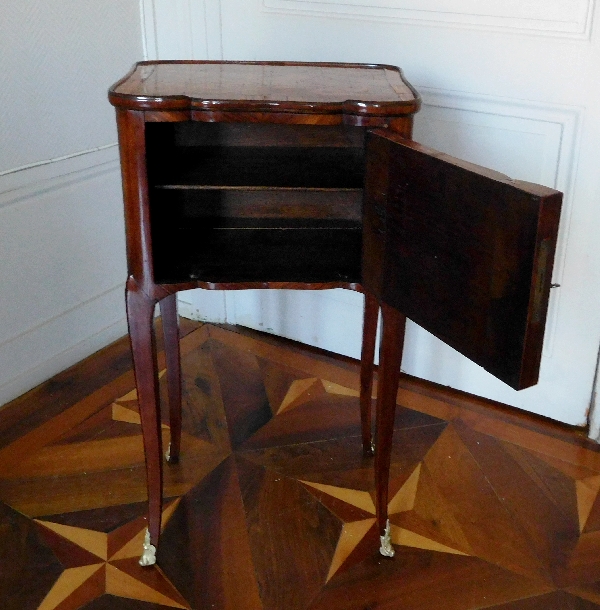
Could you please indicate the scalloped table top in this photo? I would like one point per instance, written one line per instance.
(365, 89)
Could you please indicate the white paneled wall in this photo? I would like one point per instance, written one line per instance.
(509, 84)
(62, 255)
(58, 59)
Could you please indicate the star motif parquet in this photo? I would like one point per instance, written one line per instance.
(98, 562)
(272, 504)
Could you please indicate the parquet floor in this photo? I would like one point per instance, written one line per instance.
(271, 506)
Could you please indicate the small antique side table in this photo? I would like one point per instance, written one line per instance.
(262, 175)
(243, 175)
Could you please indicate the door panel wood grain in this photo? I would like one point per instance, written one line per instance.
(465, 252)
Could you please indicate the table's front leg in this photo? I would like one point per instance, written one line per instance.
(140, 317)
(168, 310)
(390, 359)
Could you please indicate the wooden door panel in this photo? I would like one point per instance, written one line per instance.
(467, 252)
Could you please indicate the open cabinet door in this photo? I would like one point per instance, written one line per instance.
(463, 251)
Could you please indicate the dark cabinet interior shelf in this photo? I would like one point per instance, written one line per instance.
(246, 167)
(246, 203)
(279, 255)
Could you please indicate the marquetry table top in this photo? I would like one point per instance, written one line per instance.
(371, 89)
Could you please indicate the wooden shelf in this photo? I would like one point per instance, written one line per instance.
(295, 206)
(253, 253)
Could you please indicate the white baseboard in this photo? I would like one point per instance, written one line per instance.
(203, 305)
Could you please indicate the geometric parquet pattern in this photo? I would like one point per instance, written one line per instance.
(272, 504)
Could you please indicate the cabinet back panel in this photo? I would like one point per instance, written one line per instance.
(195, 133)
(244, 166)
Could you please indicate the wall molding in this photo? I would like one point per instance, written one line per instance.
(181, 29)
(543, 17)
(52, 342)
(67, 312)
(53, 173)
(26, 373)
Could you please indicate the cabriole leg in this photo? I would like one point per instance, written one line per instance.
(168, 310)
(371, 314)
(140, 317)
(390, 359)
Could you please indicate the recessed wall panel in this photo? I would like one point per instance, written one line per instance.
(559, 17)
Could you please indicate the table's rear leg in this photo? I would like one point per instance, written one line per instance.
(367, 358)
(168, 309)
(390, 359)
(140, 317)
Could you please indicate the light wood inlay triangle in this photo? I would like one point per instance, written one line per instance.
(360, 499)
(132, 395)
(404, 537)
(404, 499)
(352, 534)
(133, 548)
(90, 540)
(587, 492)
(295, 395)
(122, 585)
(336, 388)
(129, 416)
(68, 582)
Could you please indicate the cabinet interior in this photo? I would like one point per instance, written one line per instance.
(243, 202)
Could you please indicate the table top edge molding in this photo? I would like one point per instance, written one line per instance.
(377, 90)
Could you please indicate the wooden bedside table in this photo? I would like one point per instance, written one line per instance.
(251, 175)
